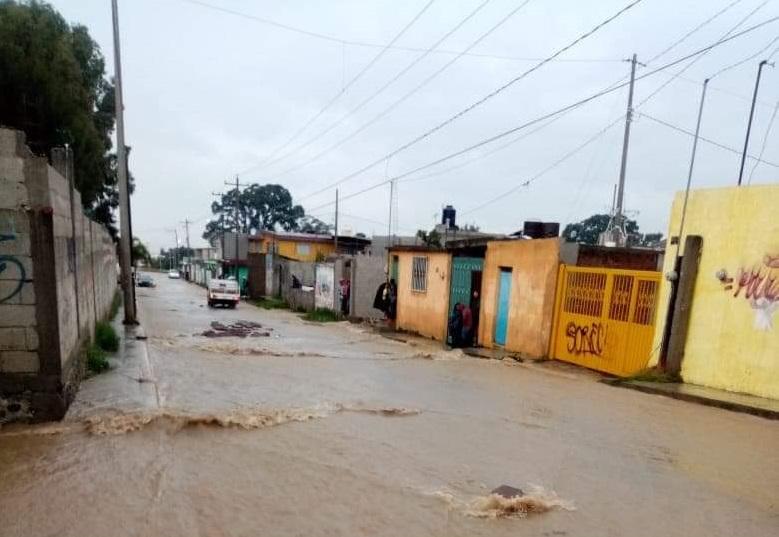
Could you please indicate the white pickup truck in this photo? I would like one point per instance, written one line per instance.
(223, 292)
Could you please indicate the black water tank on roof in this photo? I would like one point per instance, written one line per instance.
(448, 216)
(541, 230)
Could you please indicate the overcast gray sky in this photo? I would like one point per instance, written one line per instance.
(209, 94)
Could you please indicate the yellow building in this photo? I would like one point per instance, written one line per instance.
(423, 290)
(732, 340)
(296, 246)
(518, 295)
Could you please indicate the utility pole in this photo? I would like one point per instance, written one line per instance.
(237, 214)
(124, 194)
(186, 223)
(615, 233)
(176, 234)
(389, 230)
(692, 163)
(336, 221)
(751, 115)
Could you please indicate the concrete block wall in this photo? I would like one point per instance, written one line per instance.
(58, 277)
(368, 273)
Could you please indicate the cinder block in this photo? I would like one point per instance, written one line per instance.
(14, 221)
(11, 168)
(17, 315)
(31, 336)
(17, 244)
(13, 339)
(19, 362)
(10, 292)
(13, 267)
(14, 194)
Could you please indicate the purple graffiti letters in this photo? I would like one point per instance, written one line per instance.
(586, 339)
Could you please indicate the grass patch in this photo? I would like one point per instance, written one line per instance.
(116, 303)
(321, 315)
(654, 375)
(96, 359)
(271, 303)
(105, 337)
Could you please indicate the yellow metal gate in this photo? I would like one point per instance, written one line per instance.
(604, 318)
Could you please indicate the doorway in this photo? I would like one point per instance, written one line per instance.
(504, 300)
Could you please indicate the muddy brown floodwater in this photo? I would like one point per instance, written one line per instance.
(332, 430)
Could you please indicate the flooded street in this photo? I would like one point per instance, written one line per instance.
(334, 430)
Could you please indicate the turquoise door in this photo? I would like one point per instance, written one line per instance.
(504, 299)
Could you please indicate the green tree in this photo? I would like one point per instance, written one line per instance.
(310, 224)
(259, 207)
(432, 238)
(588, 230)
(53, 87)
(140, 252)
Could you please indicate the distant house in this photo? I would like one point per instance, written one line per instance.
(304, 246)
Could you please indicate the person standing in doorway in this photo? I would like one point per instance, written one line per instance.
(467, 331)
(344, 289)
(456, 326)
(475, 310)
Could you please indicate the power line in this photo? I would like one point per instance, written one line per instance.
(548, 168)
(405, 96)
(765, 140)
(707, 140)
(745, 60)
(347, 86)
(552, 114)
(482, 100)
(350, 42)
(370, 98)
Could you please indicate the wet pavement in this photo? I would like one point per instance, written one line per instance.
(333, 430)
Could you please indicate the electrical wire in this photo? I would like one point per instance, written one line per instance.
(404, 97)
(347, 86)
(355, 43)
(765, 141)
(758, 160)
(375, 94)
(481, 101)
(550, 114)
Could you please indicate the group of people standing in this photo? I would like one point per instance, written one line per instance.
(462, 324)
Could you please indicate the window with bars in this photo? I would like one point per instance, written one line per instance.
(419, 274)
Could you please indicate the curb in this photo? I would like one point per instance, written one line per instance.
(690, 398)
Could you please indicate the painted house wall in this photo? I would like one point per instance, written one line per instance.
(534, 265)
(733, 336)
(289, 248)
(424, 313)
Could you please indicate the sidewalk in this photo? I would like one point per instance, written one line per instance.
(737, 402)
(129, 383)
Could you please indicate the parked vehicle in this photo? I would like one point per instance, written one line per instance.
(174, 275)
(223, 292)
(144, 280)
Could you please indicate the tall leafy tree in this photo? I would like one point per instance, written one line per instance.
(588, 230)
(256, 208)
(53, 87)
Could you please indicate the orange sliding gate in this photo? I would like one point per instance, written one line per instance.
(604, 318)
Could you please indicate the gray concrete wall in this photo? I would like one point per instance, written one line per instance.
(368, 273)
(58, 278)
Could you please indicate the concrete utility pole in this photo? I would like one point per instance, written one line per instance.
(186, 223)
(751, 115)
(237, 185)
(176, 234)
(336, 221)
(616, 234)
(125, 239)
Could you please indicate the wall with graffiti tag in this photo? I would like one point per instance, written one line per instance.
(733, 336)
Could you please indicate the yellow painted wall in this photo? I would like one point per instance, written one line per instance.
(534, 265)
(733, 340)
(289, 248)
(424, 313)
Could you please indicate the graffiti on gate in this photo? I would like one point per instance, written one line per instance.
(759, 285)
(586, 339)
(17, 276)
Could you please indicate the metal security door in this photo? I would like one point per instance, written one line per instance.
(604, 318)
(460, 289)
